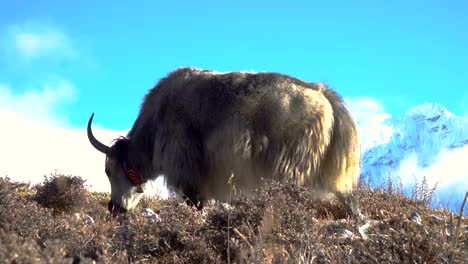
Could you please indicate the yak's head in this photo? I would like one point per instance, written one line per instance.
(126, 183)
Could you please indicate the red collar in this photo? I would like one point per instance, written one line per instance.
(131, 173)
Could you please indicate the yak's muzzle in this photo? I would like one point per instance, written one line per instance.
(115, 208)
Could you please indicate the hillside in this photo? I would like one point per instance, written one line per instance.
(60, 221)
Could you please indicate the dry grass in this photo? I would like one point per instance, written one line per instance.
(283, 223)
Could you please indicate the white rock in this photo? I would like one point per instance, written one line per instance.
(85, 218)
(148, 213)
(344, 233)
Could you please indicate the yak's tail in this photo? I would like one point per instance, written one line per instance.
(340, 167)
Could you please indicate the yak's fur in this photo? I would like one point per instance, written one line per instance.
(198, 127)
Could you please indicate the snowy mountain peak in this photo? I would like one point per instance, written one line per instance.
(428, 111)
(427, 141)
(419, 141)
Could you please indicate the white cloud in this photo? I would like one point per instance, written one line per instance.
(448, 171)
(36, 138)
(32, 39)
(34, 141)
(450, 168)
(369, 114)
(39, 105)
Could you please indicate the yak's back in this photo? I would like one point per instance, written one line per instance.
(206, 125)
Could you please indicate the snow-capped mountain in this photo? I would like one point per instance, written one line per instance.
(414, 143)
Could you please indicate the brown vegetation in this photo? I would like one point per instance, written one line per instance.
(283, 223)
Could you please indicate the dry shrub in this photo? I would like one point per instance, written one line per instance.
(146, 201)
(423, 193)
(63, 193)
(17, 249)
(282, 223)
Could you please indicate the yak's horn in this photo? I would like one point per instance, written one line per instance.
(96, 144)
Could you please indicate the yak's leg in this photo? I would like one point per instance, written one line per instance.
(351, 204)
(186, 167)
(191, 197)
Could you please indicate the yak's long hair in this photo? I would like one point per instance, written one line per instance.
(198, 127)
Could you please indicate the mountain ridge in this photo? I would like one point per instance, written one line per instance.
(415, 141)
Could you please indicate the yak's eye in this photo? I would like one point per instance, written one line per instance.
(108, 172)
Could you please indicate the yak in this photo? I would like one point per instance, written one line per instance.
(198, 127)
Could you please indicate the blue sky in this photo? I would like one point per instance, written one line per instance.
(103, 56)
(62, 60)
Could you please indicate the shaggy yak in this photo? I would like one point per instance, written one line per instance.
(199, 127)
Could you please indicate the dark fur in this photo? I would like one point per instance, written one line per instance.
(196, 128)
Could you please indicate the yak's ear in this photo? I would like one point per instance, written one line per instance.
(119, 150)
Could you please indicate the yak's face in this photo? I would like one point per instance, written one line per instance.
(124, 195)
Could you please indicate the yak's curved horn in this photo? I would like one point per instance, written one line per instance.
(96, 144)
